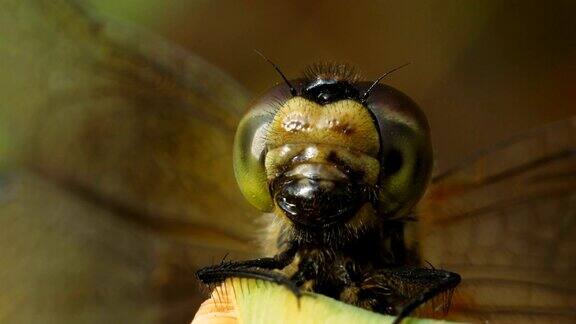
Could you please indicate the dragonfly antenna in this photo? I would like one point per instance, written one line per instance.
(365, 95)
(292, 89)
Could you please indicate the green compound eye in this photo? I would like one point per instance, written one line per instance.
(249, 154)
(250, 148)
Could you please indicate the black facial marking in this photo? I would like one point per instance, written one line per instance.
(355, 176)
(325, 91)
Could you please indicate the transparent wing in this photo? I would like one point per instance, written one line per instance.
(115, 150)
(506, 221)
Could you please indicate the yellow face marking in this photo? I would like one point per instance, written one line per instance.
(345, 123)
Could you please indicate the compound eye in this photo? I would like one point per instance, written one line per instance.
(405, 150)
(250, 148)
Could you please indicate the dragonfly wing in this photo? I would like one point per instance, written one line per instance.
(116, 153)
(506, 221)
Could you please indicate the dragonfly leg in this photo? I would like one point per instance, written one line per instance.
(261, 268)
(399, 291)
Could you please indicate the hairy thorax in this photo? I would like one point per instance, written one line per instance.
(326, 266)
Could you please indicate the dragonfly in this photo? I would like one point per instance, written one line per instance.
(117, 159)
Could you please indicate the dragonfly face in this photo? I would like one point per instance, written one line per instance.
(339, 163)
(326, 156)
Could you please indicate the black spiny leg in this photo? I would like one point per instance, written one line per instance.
(408, 288)
(254, 269)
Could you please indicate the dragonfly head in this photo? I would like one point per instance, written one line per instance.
(328, 148)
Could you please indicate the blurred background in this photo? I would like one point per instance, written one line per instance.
(108, 192)
(481, 70)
